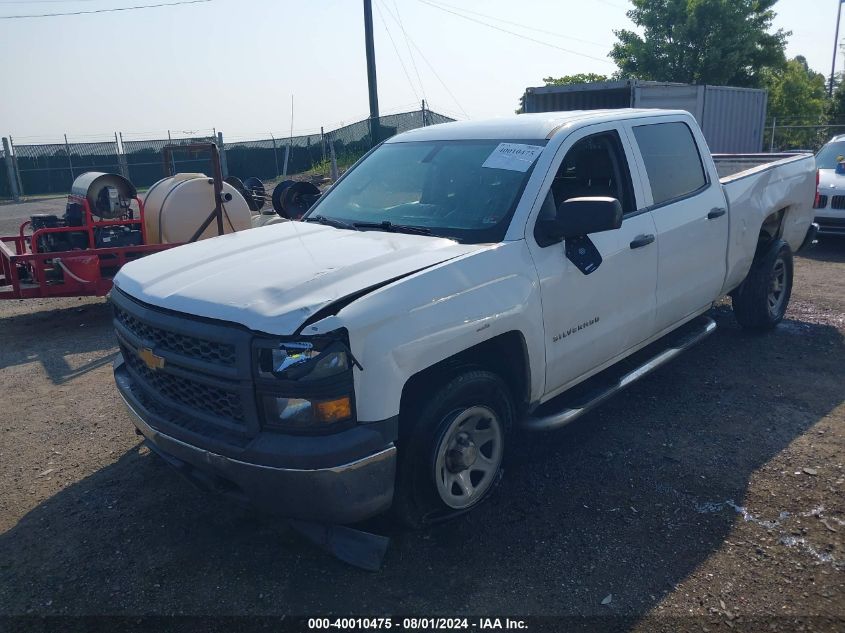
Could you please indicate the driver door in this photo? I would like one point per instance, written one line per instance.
(592, 319)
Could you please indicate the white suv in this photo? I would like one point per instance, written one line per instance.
(830, 202)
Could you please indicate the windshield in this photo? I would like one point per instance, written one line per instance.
(464, 190)
(830, 155)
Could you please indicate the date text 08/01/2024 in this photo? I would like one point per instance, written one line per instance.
(315, 624)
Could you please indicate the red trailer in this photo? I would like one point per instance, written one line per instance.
(103, 228)
(79, 254)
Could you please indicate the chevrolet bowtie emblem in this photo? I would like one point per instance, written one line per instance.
(150, 359)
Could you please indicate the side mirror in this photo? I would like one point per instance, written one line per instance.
(580, 216)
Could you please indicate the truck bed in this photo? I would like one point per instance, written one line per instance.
(733, 166)
(757, 186)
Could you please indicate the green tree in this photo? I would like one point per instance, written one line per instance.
(580, 78)
(836, 107)
(566, 80)
(797, 97)
(717, 42)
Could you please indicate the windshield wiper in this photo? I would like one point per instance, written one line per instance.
(338, 224)
(388, 226)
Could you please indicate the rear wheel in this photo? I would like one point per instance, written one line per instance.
(761, 301)
(450, 456)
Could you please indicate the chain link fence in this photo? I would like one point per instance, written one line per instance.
(145, 165)
(783, 136)
(51, 168)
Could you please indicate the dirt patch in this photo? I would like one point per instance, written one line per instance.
(715, 487)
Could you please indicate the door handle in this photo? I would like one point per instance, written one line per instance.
(716, 213)
(642, 240)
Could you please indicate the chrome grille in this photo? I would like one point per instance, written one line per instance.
(837, 202)
(822, 202)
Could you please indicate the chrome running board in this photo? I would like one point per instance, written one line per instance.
(588, 395)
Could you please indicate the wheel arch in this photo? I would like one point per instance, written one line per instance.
(505, 355)
(770, 230)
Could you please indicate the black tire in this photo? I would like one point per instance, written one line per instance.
(761, 300)
(427, 432)
(276, 197)
(256, 191)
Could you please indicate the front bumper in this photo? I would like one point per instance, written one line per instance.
(831, 225)
(353, 490)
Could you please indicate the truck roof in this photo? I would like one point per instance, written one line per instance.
(522, 126)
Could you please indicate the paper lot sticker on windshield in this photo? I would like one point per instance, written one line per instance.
(513, 156)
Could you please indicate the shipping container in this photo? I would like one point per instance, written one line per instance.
(733, 119)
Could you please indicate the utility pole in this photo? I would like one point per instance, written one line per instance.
(835, 46)
(275, 155)
(221, 149)
(172, 154)
(122, 166)
(10, 170)
(774, 127)
(69, 160)
(290, 140)
(371, 71)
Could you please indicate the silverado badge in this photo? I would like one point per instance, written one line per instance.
(150, 359)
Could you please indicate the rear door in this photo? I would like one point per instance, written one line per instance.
(590, 319)
(689, 210)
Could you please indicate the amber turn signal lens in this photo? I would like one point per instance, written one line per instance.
(333, 410)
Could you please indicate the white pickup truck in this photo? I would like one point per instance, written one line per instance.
(460, 283)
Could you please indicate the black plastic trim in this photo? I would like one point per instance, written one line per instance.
(274, 449)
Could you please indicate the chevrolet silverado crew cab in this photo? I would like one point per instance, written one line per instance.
(462, 282)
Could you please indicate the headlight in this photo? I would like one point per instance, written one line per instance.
(305, 384)
(305, 414)
(303, 361)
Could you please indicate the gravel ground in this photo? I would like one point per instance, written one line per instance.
(714, 488)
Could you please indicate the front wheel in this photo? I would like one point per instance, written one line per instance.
(450, 457)
(760, 302)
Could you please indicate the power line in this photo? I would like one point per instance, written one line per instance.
(410, 52)
(522, 26)
(142, 6)
(396, 50)
(40, 1)
(520, 35)
(613, 4)
(428, 63)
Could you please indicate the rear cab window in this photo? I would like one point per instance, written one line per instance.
(672, 161)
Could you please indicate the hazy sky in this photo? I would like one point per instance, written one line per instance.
(233, 64)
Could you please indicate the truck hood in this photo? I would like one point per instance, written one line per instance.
(272, 279)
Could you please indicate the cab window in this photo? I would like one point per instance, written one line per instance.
(594, 167)
(672, 160)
